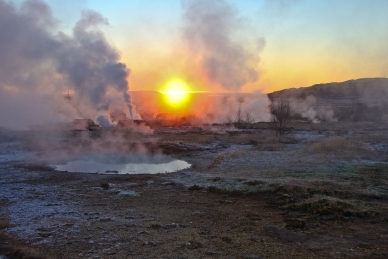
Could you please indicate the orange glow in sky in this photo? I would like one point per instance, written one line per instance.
(302, 47)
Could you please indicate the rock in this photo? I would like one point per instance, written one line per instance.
(128, 194)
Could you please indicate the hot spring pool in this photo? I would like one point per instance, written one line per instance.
(119, 164)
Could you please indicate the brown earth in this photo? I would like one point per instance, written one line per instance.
(248, 195)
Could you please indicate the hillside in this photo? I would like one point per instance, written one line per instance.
(354, 100)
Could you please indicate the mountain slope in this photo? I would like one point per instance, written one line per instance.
(363, 99)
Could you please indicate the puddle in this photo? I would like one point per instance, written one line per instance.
(119, 164)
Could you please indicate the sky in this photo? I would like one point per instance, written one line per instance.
(95, 52)
(281, 43)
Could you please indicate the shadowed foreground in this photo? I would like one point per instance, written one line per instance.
(247, 195)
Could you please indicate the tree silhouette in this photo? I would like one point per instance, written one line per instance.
(281, 116)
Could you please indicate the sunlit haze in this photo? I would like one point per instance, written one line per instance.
(296, 43)
(98, 53)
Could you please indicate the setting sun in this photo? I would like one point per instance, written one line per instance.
(176, 92)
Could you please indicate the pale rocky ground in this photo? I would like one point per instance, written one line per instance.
(236, 201)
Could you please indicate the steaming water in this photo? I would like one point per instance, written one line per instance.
(116, 164)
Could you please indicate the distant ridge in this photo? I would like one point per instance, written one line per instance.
(347, 89)
(364, 99)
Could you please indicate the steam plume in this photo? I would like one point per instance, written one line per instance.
(39, 64)
(209, 27)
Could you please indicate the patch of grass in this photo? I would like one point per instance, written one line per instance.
(239, 188)
(376, 171)
(338, 146)
(348, 171)
(294, 190)
(327, 206)
(4, 223)
(217, 160)
(289, 140)
(187, 138)
(3, 236)
(254, 183)
(226, 239)
(295, 224)
(214, 189)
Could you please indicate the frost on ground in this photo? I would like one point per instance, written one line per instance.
(10, 152)
(248, 194)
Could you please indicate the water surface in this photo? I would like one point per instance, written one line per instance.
(118, 164)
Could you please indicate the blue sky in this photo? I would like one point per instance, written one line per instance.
(306, 41)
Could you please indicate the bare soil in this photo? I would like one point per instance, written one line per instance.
(247, 195)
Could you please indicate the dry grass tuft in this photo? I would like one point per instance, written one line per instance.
(4, 223)
(227, 155)
(187, 138)
(324, 205)
(338, 146)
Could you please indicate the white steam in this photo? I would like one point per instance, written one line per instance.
(208, 30)
(40, 64)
